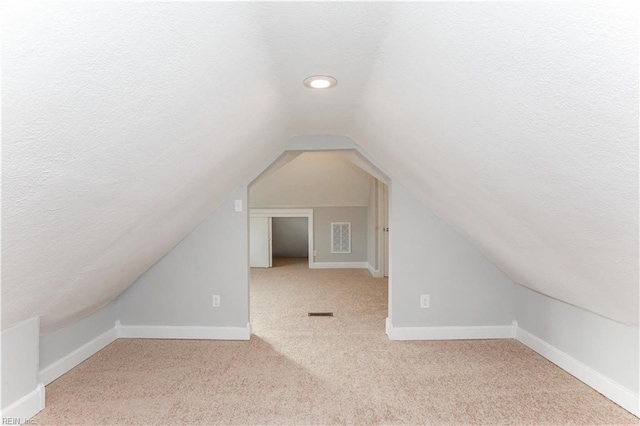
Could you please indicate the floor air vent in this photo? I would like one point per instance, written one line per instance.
(320, 314)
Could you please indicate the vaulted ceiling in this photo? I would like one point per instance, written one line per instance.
(125, 124)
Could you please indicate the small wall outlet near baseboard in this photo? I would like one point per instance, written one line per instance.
(216, 300)
(425, 301)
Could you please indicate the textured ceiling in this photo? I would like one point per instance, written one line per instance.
(340, 39)
(124, 124)
(518, 124)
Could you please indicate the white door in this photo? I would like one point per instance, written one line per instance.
(260, 242)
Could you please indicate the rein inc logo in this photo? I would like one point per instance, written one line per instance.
(17, 421)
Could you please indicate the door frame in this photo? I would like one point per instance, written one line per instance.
(308, 213)
(383, 194)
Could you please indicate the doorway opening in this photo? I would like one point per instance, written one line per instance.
(290, 239)
(293, 229)
(318, 234)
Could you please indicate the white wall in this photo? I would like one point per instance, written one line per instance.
(607, 346)
(19, 362)
(58, 344)
(290, 237)
(428, 257)
(213, 259)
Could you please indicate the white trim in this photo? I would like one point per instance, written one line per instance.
(374, 272)
(617, 393)
(450, 333)
(339, 265)
(183, 332)
(280, 160)
(328, 142)
(607, 387)
(61, 366)
(26, 407)
(358, 160)
(280, 212)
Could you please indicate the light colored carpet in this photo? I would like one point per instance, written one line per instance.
(340, 370)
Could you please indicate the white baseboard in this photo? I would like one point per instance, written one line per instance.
(24, 408)
(450, 333)
(58, 368)
(183, 332)
(338, 265)
(607, 387)
(374, 272)
(619, 394)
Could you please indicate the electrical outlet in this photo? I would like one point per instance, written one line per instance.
(238, 206)
(425, 301)
(216, 300)
(314, 254)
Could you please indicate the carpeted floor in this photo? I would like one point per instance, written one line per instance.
(334, 370)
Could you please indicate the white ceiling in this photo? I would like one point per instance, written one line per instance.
(339, 39)
(518, 124)
(126, 123)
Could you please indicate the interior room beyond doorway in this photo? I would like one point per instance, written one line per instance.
(290, 238)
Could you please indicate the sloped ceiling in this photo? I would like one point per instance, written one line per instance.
(518, 124)
(340, 39)
(124, 124)
(313, 179)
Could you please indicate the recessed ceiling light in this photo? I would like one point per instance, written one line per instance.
(320, 82)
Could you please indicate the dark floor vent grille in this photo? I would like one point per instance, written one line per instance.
(320, 314)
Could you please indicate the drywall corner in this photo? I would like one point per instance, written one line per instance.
(22, 395)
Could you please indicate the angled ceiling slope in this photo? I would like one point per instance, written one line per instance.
(339, 39)
(518, 124)
(126, 123)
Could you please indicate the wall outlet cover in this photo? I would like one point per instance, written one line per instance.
(425, 301)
